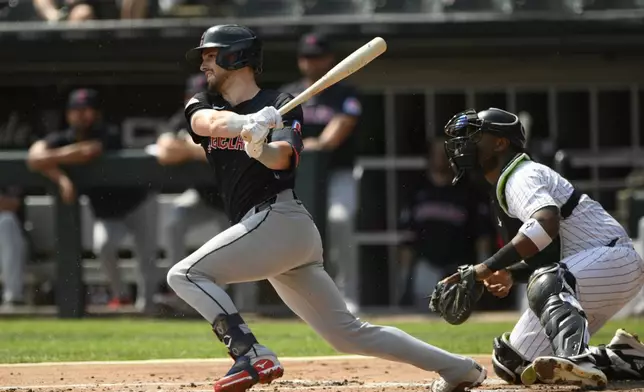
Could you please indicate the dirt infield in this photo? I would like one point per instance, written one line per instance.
(339, 374)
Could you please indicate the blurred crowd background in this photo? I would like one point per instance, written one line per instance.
(81, 79)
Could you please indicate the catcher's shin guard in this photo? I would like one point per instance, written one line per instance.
(551, 296)
(507, 362)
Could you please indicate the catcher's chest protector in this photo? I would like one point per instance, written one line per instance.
(508, 227)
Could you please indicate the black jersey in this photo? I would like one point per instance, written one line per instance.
(243, 181)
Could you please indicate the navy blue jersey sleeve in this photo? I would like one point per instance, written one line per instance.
(196, 103)
(347, 101)
(291, 132)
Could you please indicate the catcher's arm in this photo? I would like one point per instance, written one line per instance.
(530, 240)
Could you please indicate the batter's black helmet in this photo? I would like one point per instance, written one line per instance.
(239, 47)
(464, 132)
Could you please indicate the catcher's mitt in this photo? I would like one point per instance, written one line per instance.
(455, 301)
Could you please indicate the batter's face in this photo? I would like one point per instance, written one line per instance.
(215, 75)
(315, 67)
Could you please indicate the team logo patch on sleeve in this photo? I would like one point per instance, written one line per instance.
(297, 127)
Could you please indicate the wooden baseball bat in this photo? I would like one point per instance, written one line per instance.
(352, 63)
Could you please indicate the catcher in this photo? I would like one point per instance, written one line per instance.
(579, 263)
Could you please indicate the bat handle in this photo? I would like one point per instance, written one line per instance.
(288, 107)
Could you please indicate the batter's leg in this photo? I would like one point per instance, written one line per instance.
(313, 296)
(265, 244)
(188, 212)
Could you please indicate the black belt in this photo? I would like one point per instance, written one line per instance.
(269, 202)
(569, 206)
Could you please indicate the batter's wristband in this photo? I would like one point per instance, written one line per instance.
(504, 258)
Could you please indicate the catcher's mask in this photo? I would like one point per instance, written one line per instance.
(465, 130)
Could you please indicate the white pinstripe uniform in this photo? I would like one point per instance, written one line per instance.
(607, 277)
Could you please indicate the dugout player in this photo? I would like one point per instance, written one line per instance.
(579, 263)
(195, 206)
(330, 120)
(117, 210)
(273, 235)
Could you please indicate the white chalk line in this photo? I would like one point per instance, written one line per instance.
(196, 361)
(179, 361)
(285, 384)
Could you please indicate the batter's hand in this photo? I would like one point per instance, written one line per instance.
(254, 133)
(268, 117)
(253, 150)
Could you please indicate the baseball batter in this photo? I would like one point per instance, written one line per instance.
(579, 263)
(272, 235)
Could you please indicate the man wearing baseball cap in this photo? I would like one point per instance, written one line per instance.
(196, 206)
(329, 121)
(116, 210)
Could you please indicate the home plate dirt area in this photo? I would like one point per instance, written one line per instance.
(341, 374)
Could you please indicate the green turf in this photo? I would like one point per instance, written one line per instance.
(42, 340)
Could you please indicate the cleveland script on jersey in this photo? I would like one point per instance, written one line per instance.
(244, 182)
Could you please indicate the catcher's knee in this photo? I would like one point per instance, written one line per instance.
(551, 296)
(546, 282)
(507, 362)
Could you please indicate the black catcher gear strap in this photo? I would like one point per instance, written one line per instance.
(507, 362)
(228, 330)
(454, 302)
(551, 296)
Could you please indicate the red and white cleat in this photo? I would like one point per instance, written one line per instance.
(247, 372)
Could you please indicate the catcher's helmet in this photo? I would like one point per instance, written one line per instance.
(464, 132)
(238, 45)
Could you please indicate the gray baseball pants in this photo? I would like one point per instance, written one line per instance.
(282, 244)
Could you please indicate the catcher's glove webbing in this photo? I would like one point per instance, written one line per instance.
(455, 301)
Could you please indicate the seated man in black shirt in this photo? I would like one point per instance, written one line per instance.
(196, 206)
(330, 119)
(117, 210)
(439, 214)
